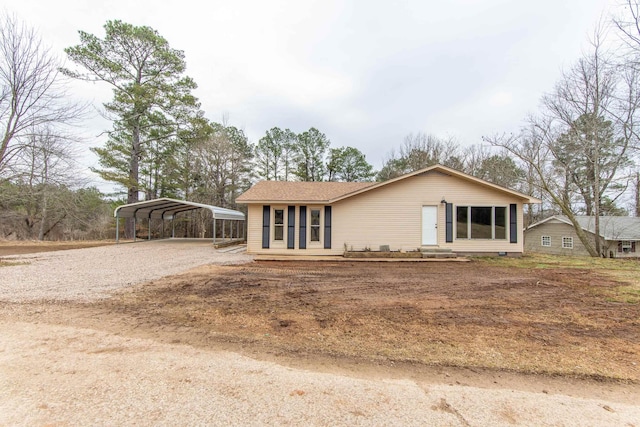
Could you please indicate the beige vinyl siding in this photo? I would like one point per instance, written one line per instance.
(254, 228)
(392, 215)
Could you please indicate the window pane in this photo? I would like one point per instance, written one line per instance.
(500, 223)
(279, 232)
(315, 217)
(461, 222)
(315, 234)
(278, 221)
(546, 240)
(279, 216)
(481, 223)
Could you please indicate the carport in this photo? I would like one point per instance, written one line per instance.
(167, 209)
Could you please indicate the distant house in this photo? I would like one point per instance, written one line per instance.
(436, 208)
(619, 236)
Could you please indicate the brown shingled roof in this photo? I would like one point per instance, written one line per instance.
(290, 191)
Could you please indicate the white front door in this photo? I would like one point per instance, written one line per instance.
(429, 225)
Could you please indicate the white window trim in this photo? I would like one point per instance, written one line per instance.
(315, 243)
(567, 242)
(542, 241)
(285, 218)
(626, 244)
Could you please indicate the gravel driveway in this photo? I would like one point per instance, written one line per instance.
(93, 273)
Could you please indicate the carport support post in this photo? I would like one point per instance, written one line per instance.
(173, 227)
(214, 230)
(149, 225)
(117, 228)
(135, 226)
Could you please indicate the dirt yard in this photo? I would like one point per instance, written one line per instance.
(9, 247)
(554, 321)
(568, 322)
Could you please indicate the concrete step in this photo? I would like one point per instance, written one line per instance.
(429, 249)
(439, 255)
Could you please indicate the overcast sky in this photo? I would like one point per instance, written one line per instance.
(365, 73)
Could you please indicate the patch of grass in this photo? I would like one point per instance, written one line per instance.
(558, 261)
(625, 294)
(11, 263)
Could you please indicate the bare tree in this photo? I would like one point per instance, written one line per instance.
(419, 151)
(579, 146)
(45, 164)
(32, 92)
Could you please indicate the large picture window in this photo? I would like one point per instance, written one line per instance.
(315, 225)
(481, 222)
(278, 224)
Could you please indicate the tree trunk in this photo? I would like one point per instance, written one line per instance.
(44, 215)
(637, 194)
(134, 171)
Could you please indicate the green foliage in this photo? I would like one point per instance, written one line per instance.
(64, 214)
(274, 154)
(500, 169)
(588, 154)
(310, 155)
(151, 102)
(348, 164)
(221, 165)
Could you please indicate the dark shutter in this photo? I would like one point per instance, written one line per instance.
(633, 246)
(266, 220)
(513, 223)
(448, 217)
(302, 234)
(291, 227)
(327, 227)
(619, 246)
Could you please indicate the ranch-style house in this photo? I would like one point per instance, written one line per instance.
(436, 208)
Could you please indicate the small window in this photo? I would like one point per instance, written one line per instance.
(315, 225)
(278, 224)
(567, 242)
(546, 240)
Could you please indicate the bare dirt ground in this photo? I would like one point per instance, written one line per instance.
(568, 331)
(9, 247)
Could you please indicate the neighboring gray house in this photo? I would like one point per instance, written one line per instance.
(619, 236)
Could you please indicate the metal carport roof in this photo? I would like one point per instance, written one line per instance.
(166, 209)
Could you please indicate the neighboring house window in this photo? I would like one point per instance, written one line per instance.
(626, 246)
(567, 242)
(315, 225)
(546, 240)
(481, 222)
(278, 224)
